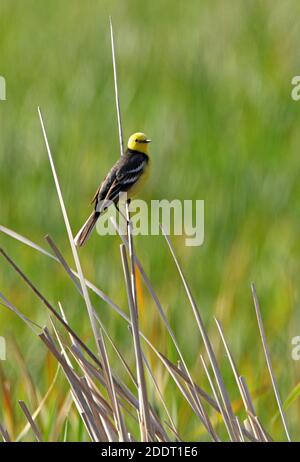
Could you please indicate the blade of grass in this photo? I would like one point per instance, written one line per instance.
(258, 430)
(36, 247)
(292, 397)
(48, 305)
(146, 430)
(172, 425)
(33, 425)
(98, 338)
(201, 408)
(222, 410)
(268, 360)
(124, 316)
(117, 413)
(206, 341)
(80, 392)
(32, 325)
(187, 396)
(120, 129)
(59, 258)
(25, 430)
(162, 314)
(249, 407)
(5, 435)
(69, 232)
(121, 389)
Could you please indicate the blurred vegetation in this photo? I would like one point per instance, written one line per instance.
(210, 83)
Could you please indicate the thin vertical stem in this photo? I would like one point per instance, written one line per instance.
(268, 359)
(116, 88)
(146, 432)
(140, 372)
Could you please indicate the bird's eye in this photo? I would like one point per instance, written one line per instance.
(136, 140)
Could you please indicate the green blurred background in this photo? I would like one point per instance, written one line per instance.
(210, 83)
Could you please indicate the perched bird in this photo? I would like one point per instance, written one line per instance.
(126, 176)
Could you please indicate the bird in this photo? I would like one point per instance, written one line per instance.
(127, 175)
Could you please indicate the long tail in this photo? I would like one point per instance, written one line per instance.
(84, 232)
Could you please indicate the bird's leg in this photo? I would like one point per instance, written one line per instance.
(128, 201)
(122, 214)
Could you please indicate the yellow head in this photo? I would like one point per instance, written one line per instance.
(139, 142)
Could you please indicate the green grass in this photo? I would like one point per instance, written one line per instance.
(209, 82)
